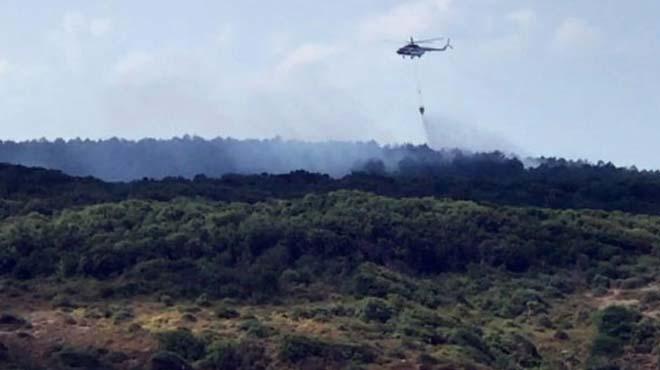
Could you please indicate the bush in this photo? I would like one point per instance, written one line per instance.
(224, 312)
(426, 325)
(117, 357)
(63, 301)
(617, 322)
(601, 363)
(544, 321)
(255, 328)
(515, 348)
(203, 300)
(81, 359)
(169, 361)
(9, 321)
(616, 326)
(376, 309)
(166, 300)
(651, 297)
(299, 313)
(183, 343)
(563, 284)
(371, 280)
(231, 356)
(607, 346)
(599, 291)
(427, 360)
(121, 314)
(561, 335)
(222, 356)
(293, 277)
(600, 281)
(471, 338)
(645, 336)
(521, 301)
(297, 348)
(633, 283)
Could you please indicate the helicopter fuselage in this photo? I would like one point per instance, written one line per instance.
(412, 50)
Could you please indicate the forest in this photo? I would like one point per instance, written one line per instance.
(420, 171)
(477, 262)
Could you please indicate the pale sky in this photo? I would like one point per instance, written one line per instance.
(579, 79)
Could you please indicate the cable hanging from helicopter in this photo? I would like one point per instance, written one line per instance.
(414, 49)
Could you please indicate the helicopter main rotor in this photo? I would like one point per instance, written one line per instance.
(435, 39)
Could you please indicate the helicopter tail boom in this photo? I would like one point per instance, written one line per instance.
(447, 46)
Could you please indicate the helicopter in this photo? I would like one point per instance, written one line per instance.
(413, 49)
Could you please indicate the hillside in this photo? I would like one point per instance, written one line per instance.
(336, 185)
(331, 280)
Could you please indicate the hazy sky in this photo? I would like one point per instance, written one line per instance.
(568, 78)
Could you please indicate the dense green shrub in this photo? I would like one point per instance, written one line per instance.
(203, 300)
(617, 322)
(224, 312)
(183, 343)
(255, 328)
(166, 299)
(10, 321)
(633, 282)
(169, 361)
(618, 327)
(290, 276)
(645, 336)
(323, 313)
(516, 348)
(427, 361)
(117, 357)
(563, 284)
(376, 309)
(651, 297)
(121, 314)
(601, 363)
(521, 301)
(607, 346)
(425, 325)
(226, 355)
(297, 348)
(63, 301)
(79, 359)
(371, 280)
(472, 338)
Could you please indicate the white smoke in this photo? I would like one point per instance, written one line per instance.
(446, 133)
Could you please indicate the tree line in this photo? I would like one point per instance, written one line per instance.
(485, 177)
